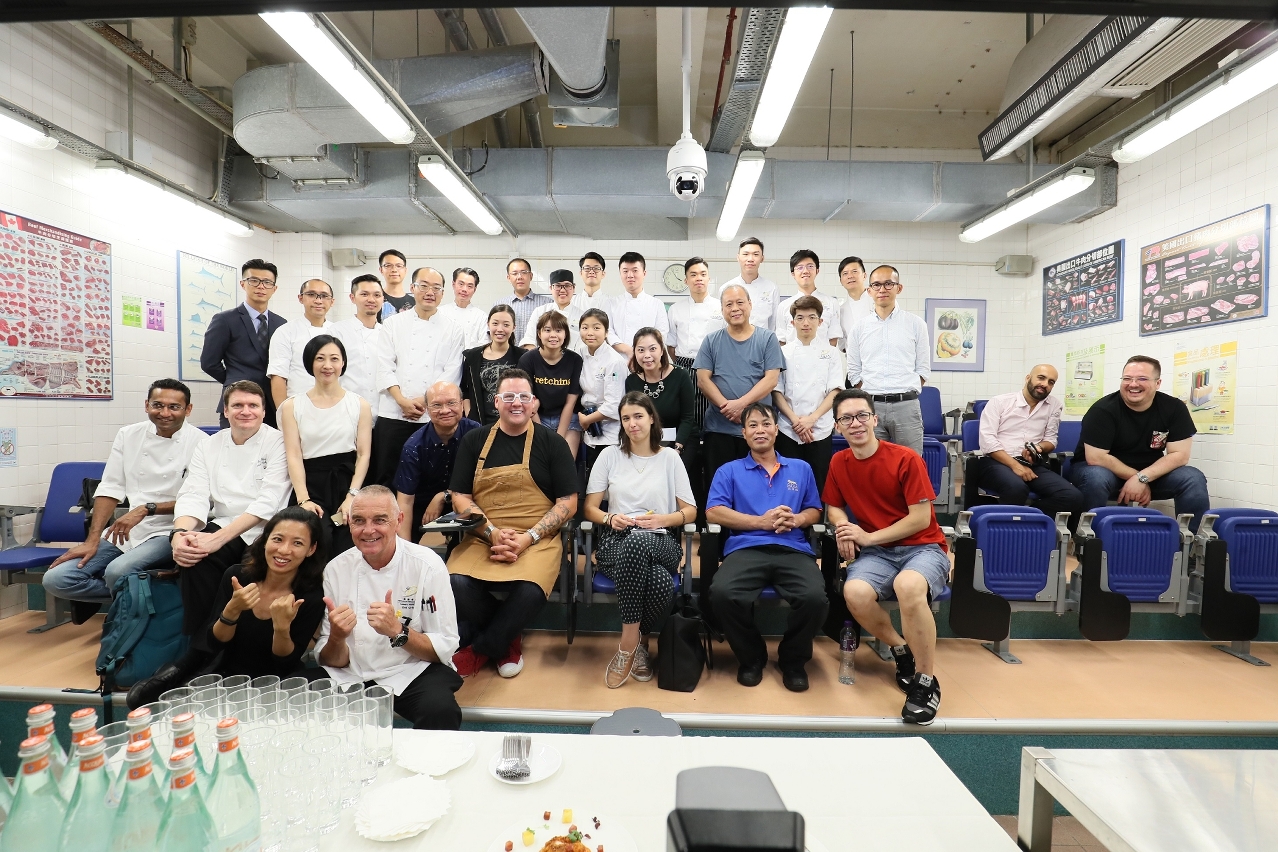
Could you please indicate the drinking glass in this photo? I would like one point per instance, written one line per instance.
(331, 708)
(327, 749)
(161, 738)
(363, 715)
(236, 682)
(204, 682)
(116, 739)
(352, 691)
(290, 742)
(266, 683)
(177, 695)
(299, 777)
(385, 700)
(323, 686)
(238, 701)
(253, 739)
(292, 686)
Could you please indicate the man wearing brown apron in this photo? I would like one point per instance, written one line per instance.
(522, 478)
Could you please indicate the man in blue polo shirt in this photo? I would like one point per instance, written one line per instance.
(426, 462)
(766, 500)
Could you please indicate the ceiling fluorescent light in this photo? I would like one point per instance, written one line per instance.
(800, 38)
(315, 46)
(1055, 191)
(1233, 89)
(27, 132)
(744, 179)
(163, 201)
(442, 178)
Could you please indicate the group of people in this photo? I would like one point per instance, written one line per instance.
(286, 520)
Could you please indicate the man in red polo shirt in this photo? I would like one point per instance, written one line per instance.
(879, 498)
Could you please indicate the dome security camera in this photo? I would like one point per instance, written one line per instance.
(686, 168)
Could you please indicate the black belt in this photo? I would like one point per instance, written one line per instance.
(895, 397)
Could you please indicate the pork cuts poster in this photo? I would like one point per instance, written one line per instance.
(1084, 291)
(1214, 274)
(55, 312)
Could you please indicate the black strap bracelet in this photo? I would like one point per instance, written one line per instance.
(227, 621)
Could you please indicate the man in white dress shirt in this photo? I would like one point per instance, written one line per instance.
(472, 318)
(693, 318)
(888, 358)
(764, 295)
(284, 366)
(417, 349)
(857, 304)
(391, 619)
(805, 266)
(591, 294)
(360, 335)
(634, 309)
(238, 479)
(147, 465)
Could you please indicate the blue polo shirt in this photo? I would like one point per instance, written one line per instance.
(426, 463)
(744, 486)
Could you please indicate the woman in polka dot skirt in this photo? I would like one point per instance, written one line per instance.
(649, 499)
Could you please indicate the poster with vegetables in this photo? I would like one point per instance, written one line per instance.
(956, 328)
(1217, 273)
(1205, 380)
(1084, 291)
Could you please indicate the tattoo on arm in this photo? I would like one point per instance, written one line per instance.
(555, 518)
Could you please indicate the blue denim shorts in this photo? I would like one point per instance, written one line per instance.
(552, 422)
(879, 566)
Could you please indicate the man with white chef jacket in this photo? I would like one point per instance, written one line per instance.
(391, 618)
(634, 309)
(418, 348)
(693, 318)
(804, 267)
(361, 335)
(147, 465)
(764, 295)
(472, 318)
(805, 392)
(284, 367)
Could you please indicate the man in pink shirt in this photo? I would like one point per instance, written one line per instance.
(1011, 469)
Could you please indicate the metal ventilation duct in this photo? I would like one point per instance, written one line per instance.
(575, 41)
(758, 37)
(1189, 41)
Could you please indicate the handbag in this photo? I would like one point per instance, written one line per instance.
(685, 649)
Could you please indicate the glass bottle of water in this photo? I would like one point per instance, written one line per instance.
(83, 723)
(233, 802)
(139, 722)
(40, 724)
(38, 807)
(186, 825)
(88, 823)
(137, 821)
(6, 800)
(184, 738)
(848, 641)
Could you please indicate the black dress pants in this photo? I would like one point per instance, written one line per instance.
(488, 624)
(199, 587)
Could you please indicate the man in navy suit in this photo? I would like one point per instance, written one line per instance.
(238, 341)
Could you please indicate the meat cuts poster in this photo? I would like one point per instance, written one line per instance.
(1083, 291)
(1218, 273)
(55, 312)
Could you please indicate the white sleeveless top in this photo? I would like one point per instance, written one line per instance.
(327, 431)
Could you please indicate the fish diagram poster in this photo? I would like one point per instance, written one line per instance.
(1084, 378)
(1084, 291)
(205, 287)
(1217, 273)
(55, 312)
(1204, 379)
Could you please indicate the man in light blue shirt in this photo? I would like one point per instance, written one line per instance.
(889, 358)
(522, 298)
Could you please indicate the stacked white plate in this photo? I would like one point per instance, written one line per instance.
(434, 752)
(402, 808)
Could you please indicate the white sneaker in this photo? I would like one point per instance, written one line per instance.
(510, 668)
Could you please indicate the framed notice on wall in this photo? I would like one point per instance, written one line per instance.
(1215, 274)
(55, 312)
(1205, 381)
(204, 288)
(957, 331)
(1084, 291)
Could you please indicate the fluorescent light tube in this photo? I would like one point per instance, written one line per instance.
(315, 46)
(1066, 186)
(744, 179)
(1233, 90)
(800, 38)
(442, 178)
(165, 204)
(28, 133)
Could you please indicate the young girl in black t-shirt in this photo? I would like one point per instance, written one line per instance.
(556, 372)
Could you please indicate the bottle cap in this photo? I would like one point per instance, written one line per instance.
(183, 721)
(138, 715)
(138, 751)
(228, 728)
(33, 746)
(181, 759)
(84, 713)
(92, 743)
(847, 623)
(39, 714)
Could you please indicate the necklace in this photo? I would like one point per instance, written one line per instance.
(654, 393)
(640, 470)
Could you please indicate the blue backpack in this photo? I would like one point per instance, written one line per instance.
(143, 629)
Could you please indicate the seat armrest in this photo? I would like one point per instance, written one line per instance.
(714, 529)
(689, 528)
(587, 526)
(1085, 525)
(18, 511)
(963, 526)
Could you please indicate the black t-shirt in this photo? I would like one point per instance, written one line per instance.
(673, 398)
(1135, 438)
(400, 303)
(552, 383)
(551, 463)
(479, 380)
(249, 651)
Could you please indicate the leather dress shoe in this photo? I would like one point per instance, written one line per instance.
(795, 680)
(749, 675)
(144, 692)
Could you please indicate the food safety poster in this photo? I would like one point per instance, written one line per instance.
(1084, 378)
(204, 288)
(1217, 273)
(1204, 379)
(1083, 291)
(55, 312)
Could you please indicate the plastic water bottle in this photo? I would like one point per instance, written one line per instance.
(232, 801)
(848, 641)
(38, 807)
(83, 723)
(138, 819)
(184, 738)
(139, 722)
(186, 825)
(40, 724)
(88, 824)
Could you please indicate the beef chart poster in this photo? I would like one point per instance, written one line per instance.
(1083, 291)
(55, 312)
(1217, 273)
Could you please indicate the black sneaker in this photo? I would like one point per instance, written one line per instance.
(904, 667)
(922, 700)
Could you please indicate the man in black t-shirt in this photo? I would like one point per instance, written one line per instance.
(1135, 447)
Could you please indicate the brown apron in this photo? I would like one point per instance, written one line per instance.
(510, 499)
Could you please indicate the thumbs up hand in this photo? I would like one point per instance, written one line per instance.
(242, 598)
(383, 618)
(341, 619)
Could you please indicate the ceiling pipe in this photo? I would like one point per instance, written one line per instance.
(532, 113)
(458, 33)
(575, 41)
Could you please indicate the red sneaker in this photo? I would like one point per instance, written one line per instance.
(513, 663)
(467, 662)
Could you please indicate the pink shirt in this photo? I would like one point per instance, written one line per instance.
(1008, 423)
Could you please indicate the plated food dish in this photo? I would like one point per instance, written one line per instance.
(561, 829)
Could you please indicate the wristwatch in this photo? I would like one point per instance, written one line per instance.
(353, 492)
(151, 509)
(400, 640)
(534, 536)
(1142, 479)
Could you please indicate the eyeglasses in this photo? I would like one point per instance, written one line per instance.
(429, 288)
(883, 285)
(319, 297)
(859, 417)
(1136, 380)
(563, 285)
(511, 398)
(592, 269)
(264, 283)
(174, 407)
(805, 267)
(393, 266)
(444, 406)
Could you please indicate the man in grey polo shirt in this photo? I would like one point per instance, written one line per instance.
(888, 359)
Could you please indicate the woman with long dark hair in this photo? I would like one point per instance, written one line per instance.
(482, 365)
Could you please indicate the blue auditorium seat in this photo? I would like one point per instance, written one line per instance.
(1236, 576)
(1071, 431)
(210, 430)
(933, 414)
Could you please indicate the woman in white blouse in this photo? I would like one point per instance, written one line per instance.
(649, 499)
(328, 436)
(603, 384)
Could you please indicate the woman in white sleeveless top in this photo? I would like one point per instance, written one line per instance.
(327, 435)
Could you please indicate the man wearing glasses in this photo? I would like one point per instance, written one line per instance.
(804, 267)
(1135, 446)
(591, 294)
(394, 267)
(288, 374)
(879, 499)
(147, 465)
(888, 358)
(562, 290)
(522, 299)
(472, 319)
(237, 343)
(417, 348)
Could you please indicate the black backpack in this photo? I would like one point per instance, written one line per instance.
(684, 649)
